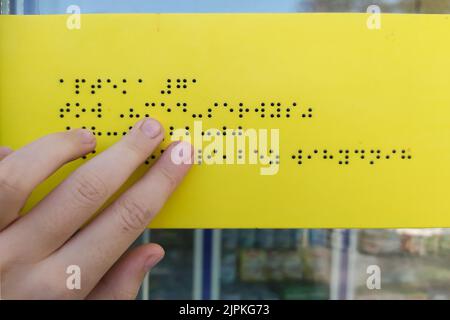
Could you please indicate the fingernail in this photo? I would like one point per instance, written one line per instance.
(86, 136)
(152, 261)
(151, 128)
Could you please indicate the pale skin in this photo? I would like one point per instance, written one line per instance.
(36, 248)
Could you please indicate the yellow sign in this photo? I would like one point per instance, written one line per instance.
(298, 120)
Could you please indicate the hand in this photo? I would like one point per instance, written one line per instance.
(37, 249)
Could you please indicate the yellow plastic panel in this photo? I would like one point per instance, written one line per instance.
(367, 139)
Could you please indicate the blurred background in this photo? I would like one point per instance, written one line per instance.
(98, 6)
(301, 264)
(274, 263)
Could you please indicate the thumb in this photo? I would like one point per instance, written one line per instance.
(123, 280)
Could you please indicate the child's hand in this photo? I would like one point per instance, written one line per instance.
(37, 249)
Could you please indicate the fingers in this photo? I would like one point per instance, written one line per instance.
(58, 216)
(4, 151)
(21, 171)
(96, 247)
(4, 218)
(123, 280)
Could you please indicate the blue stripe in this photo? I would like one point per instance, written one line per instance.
(30, 7)
(344, 264)
(207, 264)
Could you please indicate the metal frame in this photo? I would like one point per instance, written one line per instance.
(145, 287)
